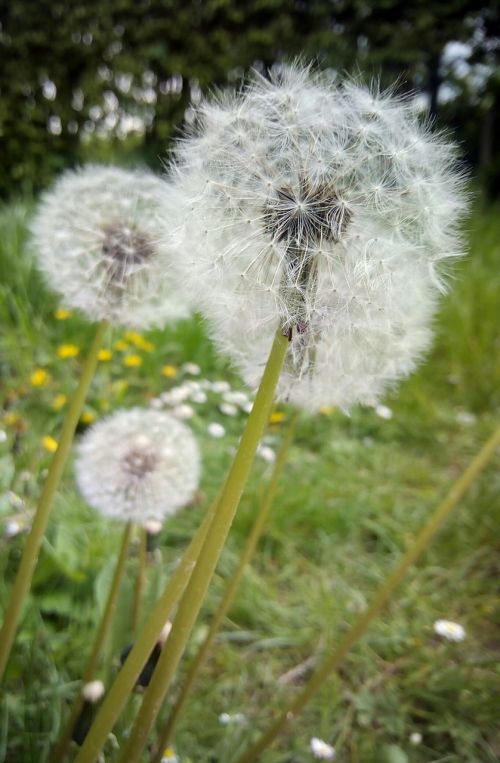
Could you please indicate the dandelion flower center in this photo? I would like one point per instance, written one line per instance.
(307, 215)
(141, 459)
(124, 250)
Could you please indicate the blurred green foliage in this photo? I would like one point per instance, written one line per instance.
(104, 79)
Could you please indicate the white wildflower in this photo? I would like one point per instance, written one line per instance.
(3, 435)
(415, 738)
(183, 411)
(191, 368)
(176, 395)
(138, 465)
(220, 386)
(322, 209)
(322, 750)
(228, 718)
(216, 430)
(198, 396)
(236, 398)
(383, 411)
(12, 528)
(266, 453)
(169, 756)
(465, 418)
(96, 239)
(93, 691)
(449, 630)
(228, 409)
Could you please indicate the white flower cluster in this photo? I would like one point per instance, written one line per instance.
(96, 239)
(138, 465)
(449, 630)
(324, 209)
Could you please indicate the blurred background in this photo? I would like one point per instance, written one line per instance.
(114, 79)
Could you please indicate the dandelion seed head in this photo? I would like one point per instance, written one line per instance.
(138, 465)
(96, 239)
(324, 209)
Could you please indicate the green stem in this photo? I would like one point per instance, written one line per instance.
(194, 594)
(118, 695)
(99, 643)
(381, 597)
(140, 580)
(29, 559)
(231, 589)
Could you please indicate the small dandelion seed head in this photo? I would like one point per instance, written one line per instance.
(325, 209)
(138, 465)
(96, 239)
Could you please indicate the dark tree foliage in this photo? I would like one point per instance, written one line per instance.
(103, 76)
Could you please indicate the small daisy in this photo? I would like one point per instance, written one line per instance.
(384, 412)
(216, 430)
(183, 411)
(266, 453)
(137, 465)
(192, 369)
(321, 750)
(220, 386)
(228, 409)
(449, 630)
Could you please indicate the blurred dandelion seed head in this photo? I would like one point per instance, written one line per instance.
(138, 465)
(323, 208)
(97, 240)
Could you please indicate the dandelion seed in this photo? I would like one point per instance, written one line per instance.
(169, 371)
(132, 361)
(321, 750)
(49, 443)
(39, 378)
(449, 630)
(61, 314)
(216, 430)
(323, 209)
(96, 239)
(104, 355)
(138, 465)
(67, 351)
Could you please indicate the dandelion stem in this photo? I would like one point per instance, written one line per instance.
(422, 541)
(194, 594)
(140, 580)
(99, 643)
(29, 559)
(231, 589)
(118, 695)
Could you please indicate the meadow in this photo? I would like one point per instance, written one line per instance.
(355, 490)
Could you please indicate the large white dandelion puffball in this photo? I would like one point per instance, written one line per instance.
(96, 239)
(323, 209)
(138, 465)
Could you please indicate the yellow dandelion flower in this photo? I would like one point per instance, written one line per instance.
(39, 377)
(132, 361)
(121, 346)
(11, 419)
(327, 410)
(133, 336)
(49, 443)
(169, 371)
(67, 351)
(59, 401)
(104, 355)
(87, 417)
(277, 417)
(61, 314)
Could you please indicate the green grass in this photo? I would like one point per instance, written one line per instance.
(356, 489)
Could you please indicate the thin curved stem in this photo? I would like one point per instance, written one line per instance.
(99, 644)
(194, 594)
(140, 580)
(422, 541)
(231, 589)
(118, 695)
(29, 559)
